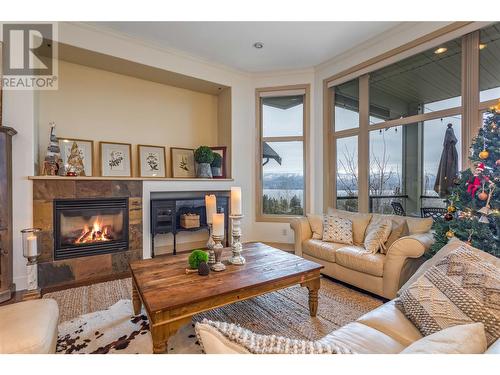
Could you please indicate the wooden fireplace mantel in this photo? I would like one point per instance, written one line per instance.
(114, 178)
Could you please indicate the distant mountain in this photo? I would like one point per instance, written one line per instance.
(283, 181)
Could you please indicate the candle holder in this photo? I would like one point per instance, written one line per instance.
(210, 245)
(31, 251)
(218, 266)
(236, 245)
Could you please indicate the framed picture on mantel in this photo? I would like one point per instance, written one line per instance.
(221, 150)
(115, 159)
(182, 160)
(151, 161)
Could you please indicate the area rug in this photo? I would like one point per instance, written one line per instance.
(284, 313)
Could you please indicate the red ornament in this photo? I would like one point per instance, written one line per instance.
(482, 195)
(448, 217)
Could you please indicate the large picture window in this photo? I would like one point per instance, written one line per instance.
(389, 124)
(282, 118)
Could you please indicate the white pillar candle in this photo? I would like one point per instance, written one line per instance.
(31, 246)
(218, 225)
(235, 200)
(211, 207)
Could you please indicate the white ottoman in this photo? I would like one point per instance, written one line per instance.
(29, 327)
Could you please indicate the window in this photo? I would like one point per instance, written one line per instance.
(346, 106)
(386, 182)
(489, 63)
(282, 118)
(385, 129)
(347, 173)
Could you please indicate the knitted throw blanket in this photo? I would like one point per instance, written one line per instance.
(269, 344)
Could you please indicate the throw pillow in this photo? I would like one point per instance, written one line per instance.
(269, 344)
(398, 230)
(377, 233)
(316, 224)
(337, 229)
(462, 339)
(461, 288)
(359, 223)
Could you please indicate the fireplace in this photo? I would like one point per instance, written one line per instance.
(87, 227)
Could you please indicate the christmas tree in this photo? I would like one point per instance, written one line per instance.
(473, 204)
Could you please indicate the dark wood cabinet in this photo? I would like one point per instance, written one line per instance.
(6, 284)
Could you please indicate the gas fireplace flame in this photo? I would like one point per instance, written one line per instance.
(98, 233)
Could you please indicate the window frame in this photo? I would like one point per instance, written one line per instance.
(470, 108)
(259, 214)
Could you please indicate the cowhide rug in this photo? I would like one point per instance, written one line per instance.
(116, 330)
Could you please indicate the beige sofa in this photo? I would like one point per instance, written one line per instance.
(385, 330)
(29, 327)
(381, 274)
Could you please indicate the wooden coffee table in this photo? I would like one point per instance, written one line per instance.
(171, 297)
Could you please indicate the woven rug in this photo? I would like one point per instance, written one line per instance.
(116, 330)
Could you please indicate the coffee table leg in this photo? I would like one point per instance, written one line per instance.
(160, 338)
(136, 300)
(313, 287)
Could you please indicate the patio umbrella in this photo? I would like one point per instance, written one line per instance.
(448, 165)
(268, 153)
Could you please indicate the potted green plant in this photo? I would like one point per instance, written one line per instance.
(204, 156)
(217, 165)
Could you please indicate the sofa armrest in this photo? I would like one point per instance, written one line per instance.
(403, 259)
(302, 231)
(413, 246)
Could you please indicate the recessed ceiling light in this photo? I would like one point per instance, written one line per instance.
(258, 45)
(440, 50)
(482, 45)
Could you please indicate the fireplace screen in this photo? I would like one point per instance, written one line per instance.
(90, 227)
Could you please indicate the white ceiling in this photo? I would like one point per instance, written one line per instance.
(287, 45)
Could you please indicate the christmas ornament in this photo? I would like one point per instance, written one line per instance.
(497, 162)
(473, 185)
(484, 154)
(451, 209)
(486, 210)
(484, 219)
(448, 217)
(482, 196)
(450, 234)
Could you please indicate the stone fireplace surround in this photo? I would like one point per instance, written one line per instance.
(52, 273)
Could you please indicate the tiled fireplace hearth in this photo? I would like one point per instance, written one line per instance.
(91, 229)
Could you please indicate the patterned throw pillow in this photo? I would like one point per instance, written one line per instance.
(461, 288)
(337, 229)
(268, 344)
(377, 233)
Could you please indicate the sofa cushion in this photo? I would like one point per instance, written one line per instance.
(321, 250)
(358, 259)
(399, 229)
(359, 223)
(418, 225)
(29, 327)
(377, 233)
(337, 229)
(462, 339)
(494, 348)
(390, 320)
(363, 340)
(461, 288)
(316, 224)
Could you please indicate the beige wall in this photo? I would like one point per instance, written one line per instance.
(104, 106)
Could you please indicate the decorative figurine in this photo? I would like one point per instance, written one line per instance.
(52, 163)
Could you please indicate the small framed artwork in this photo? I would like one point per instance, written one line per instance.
(219, 171)
(115, 159)
(77, 155)
(151, 161)
(182, 160)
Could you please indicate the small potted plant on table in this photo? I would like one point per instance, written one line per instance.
(204, 156)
